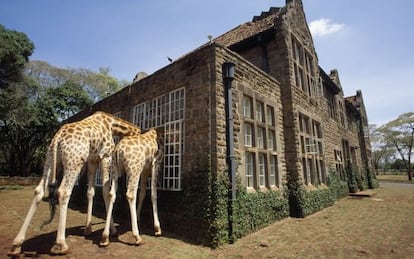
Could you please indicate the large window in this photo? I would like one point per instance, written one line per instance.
(304, 69)
(259, 143)
(311, 149)
(166, 112)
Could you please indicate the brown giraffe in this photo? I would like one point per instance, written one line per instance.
(135, 155)
(89, 140)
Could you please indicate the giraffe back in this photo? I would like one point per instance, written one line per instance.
(133, 153)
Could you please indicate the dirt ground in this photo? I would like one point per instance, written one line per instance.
(381, 226)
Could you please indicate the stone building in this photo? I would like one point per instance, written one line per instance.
(298, 143)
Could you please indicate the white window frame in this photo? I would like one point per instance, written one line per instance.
(166, 111)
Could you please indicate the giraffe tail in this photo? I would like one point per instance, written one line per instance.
(52, 186)
(53, 201)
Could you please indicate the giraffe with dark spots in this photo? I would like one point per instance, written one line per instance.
(87, 141)
(139, 157)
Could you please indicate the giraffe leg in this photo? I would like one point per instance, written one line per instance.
(155, 168)
(142, 194)
(132, 201)
(64, 192)
(112, 198)
(18, 241)
(92, 165)
(105, 174)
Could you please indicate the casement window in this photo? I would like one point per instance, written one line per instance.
(247, 107)
(249, 169)
(167, 113)
(311, 150)
(262, 169)
(259, 142)
(248, 134)
(339, 164)
(260, 112)
(304, 69)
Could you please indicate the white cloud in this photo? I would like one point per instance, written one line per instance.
(325, 26)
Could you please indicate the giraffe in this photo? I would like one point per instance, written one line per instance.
(86, 141)
(139, 157)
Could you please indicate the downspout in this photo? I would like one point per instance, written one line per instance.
(228, 76)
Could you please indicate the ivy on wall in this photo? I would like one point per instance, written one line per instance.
(303, 202)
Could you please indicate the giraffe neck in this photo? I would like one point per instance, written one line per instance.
(121, 127)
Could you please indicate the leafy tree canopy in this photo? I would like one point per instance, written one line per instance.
(97, 84)
(15, 49)
(400, 134)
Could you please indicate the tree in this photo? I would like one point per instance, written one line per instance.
(400, 134)
(97, 85)
(382, 151)
(67, 99)
(15, 49)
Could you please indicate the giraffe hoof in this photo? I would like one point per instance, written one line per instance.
(15, 250)
(138, 241)
(158, 233)
(59, 249)
(104, 242)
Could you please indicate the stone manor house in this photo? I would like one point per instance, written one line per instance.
(293, 130)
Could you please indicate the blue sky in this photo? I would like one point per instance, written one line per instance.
(370, 42)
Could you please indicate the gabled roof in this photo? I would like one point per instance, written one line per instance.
(259, 24)
(350, 102)
(329, 82)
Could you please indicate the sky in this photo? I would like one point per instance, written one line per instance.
(369, 42)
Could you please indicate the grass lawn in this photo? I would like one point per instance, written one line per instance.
(381, 226)
(402, 178)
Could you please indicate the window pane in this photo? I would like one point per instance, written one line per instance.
(248, 135)
(259, 111)
(249, 169)
(260, 137)
(273, 174)
(271, 140)
(270, 113)
(247, 107)
(262, 170)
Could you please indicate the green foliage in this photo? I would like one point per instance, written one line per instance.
(254, 211)
(372, 180)
(399, 133)
(96, 84)
(352, 180)
(15, 49)
(339, 188)
(251, 211)
(218, 214)
(303, 202)
(11, 187)
(67, 99)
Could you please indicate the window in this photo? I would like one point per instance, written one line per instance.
(166, 112)
(311, 149)
(304, 69)
(260, 142)
(262, 170)
(260, 137)
(273, 173)
(270, 113)
(259, 112)
(248, 135)
(339, 164)
(247, 107)
(249, 169)
(271, 140)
